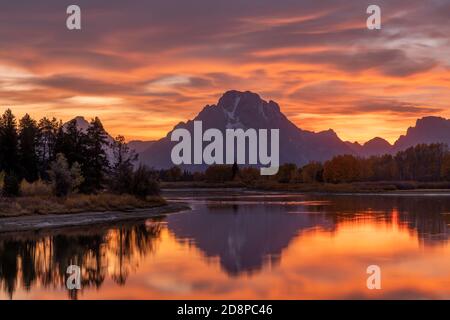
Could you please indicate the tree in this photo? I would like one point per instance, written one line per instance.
(286, 172)
(46, 151)
(28, 140)
(344, 168)
(384, 168)
(63, 178)
(173, 174)
(234, 170)
(219, 173)
(8, 143)
(445, 167)
(96, 163)
(312, 172)
(144, 183)
(122, 167)
(70, 140)
(422, 162)
(249, 175)
(11, 185)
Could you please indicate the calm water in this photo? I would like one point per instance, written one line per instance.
(245, 245)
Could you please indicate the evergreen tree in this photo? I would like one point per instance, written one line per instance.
(71, 141)
(96, 162)
(46, 151)
(11, 185)
(144, 183)
(122, 167)
(8, 143)
(28, 139)
(235, 170)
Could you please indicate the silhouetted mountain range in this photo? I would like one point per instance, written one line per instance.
(375, 146)
(245, 110)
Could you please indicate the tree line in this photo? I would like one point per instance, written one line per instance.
(423, 163)
(69, 157)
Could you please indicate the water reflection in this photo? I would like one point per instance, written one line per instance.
(31, 260)
(249, 232)
(245, 238)
(244, 245)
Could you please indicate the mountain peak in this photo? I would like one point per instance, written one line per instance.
(232, 99)
(429, 129)
(377, 141)
(80, 119)
(430, 122)
(246, 109)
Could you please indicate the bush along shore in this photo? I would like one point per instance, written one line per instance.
(50, 168)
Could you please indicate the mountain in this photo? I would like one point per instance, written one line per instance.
(83, 125)
(426, 130)
(139, 146)
(373, 147)
(247, 110)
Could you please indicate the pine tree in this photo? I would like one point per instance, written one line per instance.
(96, 163)
(46, 151)
(70, 141)
(28, 139)
(122, 167)
(8, 143)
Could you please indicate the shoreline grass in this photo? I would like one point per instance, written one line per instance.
(74, 203)
(354, 187)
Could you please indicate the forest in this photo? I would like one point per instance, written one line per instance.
(47, 154)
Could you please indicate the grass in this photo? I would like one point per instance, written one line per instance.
(202, 184)
(354, 187)
(75, 203)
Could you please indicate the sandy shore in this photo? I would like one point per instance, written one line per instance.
(38, 222)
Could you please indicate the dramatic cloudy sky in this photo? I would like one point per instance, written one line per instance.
(145, 65)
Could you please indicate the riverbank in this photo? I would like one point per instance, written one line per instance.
(53, 221)
(355, 187)
(74, 204)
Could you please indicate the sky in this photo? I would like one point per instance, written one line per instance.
(143, 66)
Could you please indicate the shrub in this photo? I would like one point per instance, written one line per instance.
(11, 185)
(2, 178)
(286, 173)
(312, 172)
(249, 175)
(219, 173)
(37, 188)
(122, 179)
(63, 179)
(144, 183)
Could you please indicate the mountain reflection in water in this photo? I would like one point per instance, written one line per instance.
(236, 244)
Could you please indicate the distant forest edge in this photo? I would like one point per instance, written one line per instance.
(422, 166)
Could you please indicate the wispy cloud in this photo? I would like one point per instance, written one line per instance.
(166, 59)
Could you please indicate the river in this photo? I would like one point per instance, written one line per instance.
(237, 244)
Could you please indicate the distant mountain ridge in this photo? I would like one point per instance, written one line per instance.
(246, 110)
(373, 147)
(427, 130)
